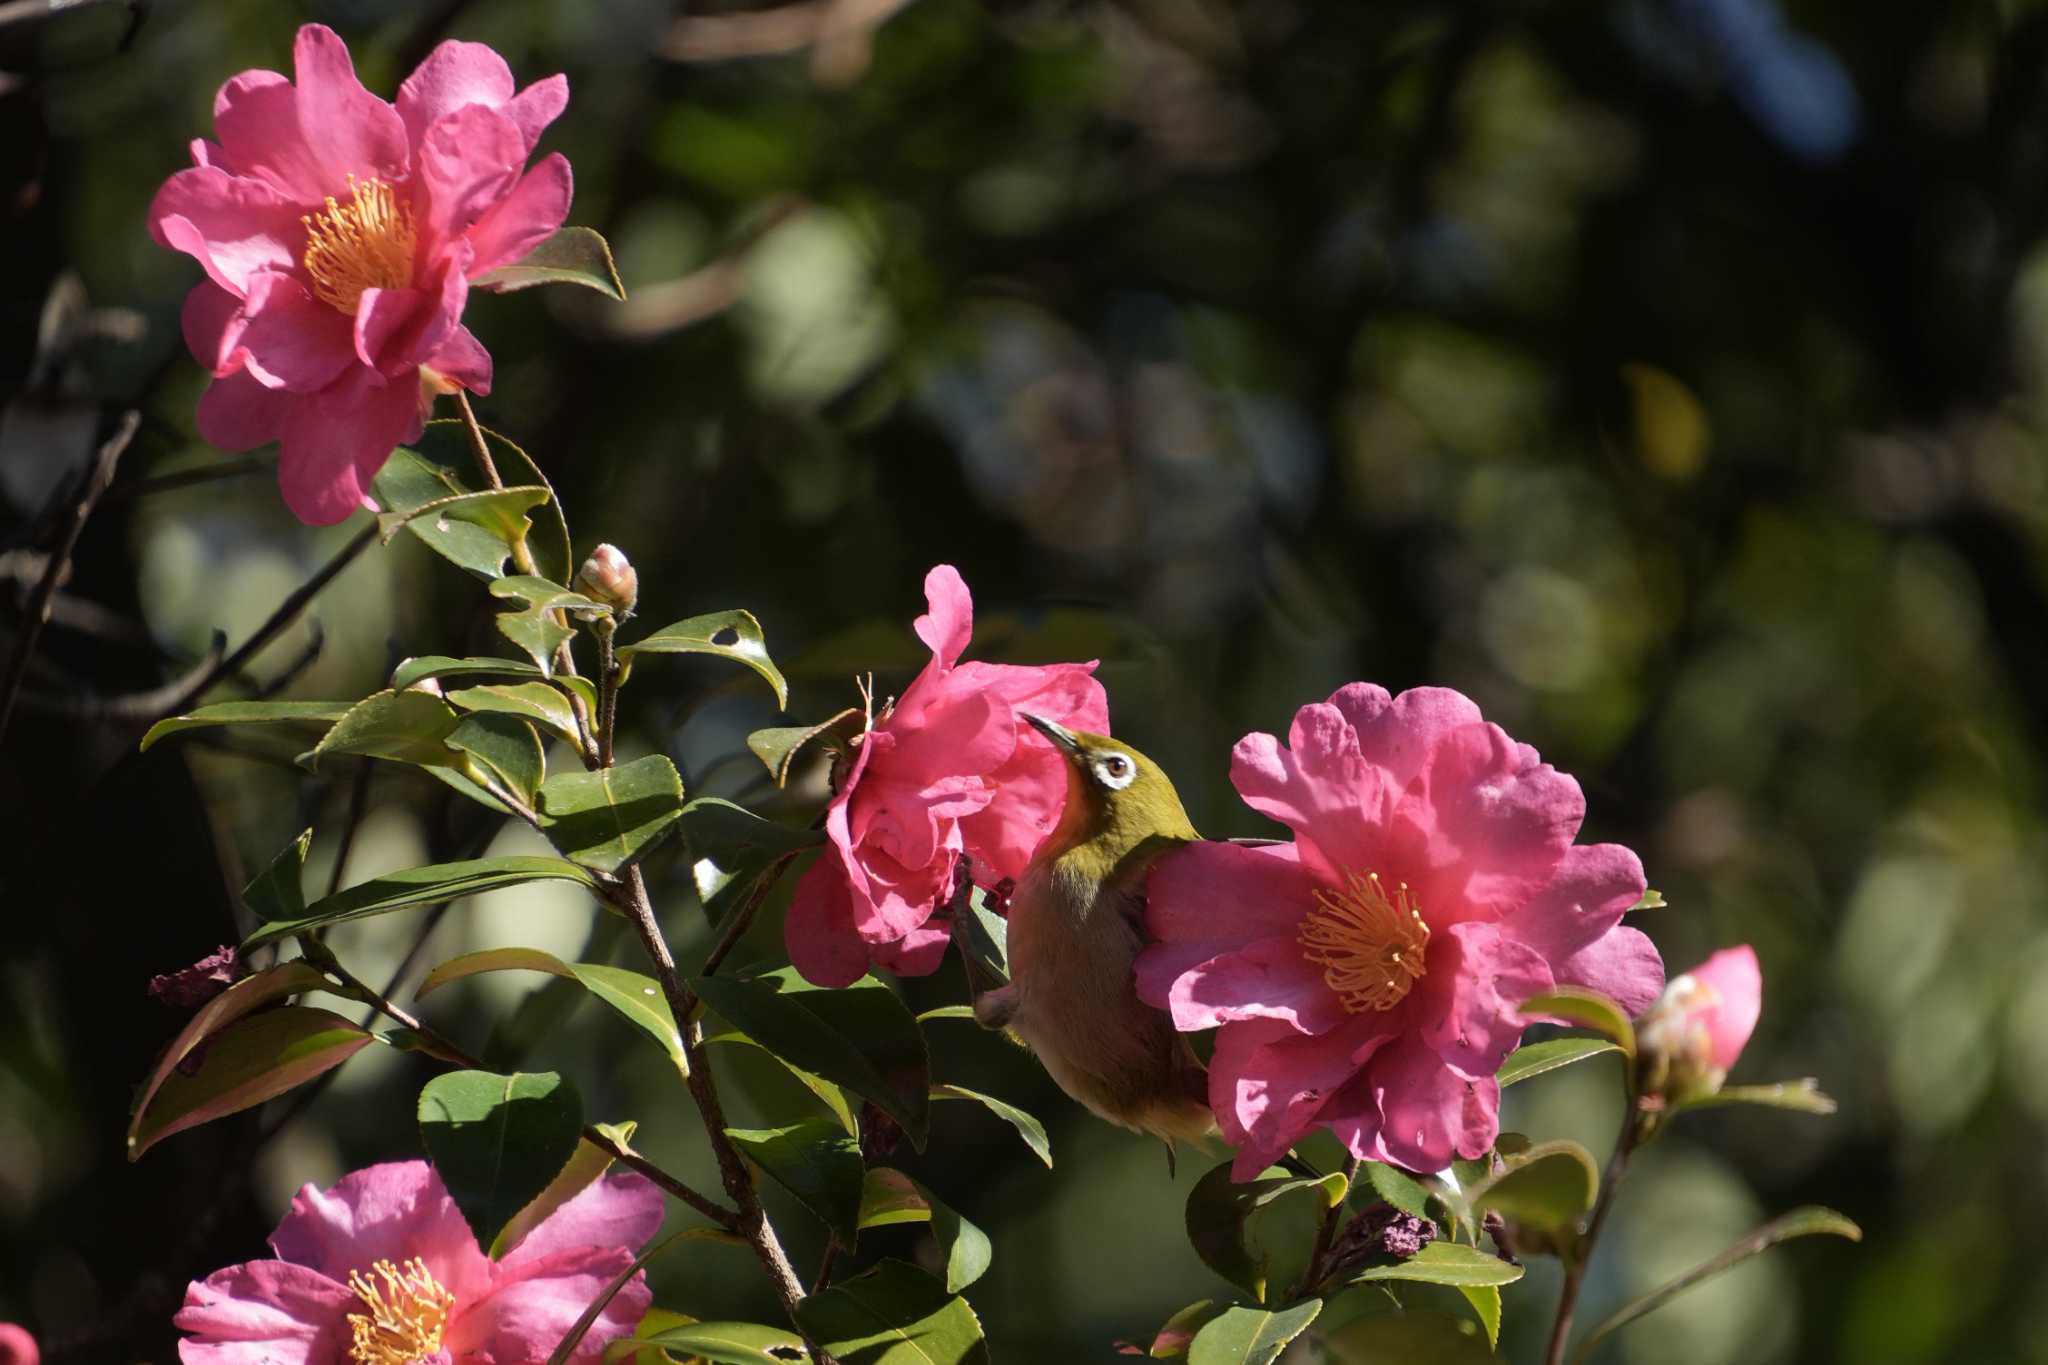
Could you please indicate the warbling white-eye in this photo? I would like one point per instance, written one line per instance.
(1076, 927)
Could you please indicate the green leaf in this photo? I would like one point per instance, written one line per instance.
(1219, 1212)
(566, 1347)
(1652, 899)
(1485, 1301)
(1408, 1339)
(443, 666)
(733, 836)
(1451, 1263)
(534, 701)
(541, 593)
(1178, 1333)
(833, 1097)
(1547, 1187)
(889, 1197)
(1803, 1095)
(413, 479)
(1588, 1008)
(574, 255)
(778, 746)
(445, 445)
(250, 993)
(279, 890)
(895, 1314)
(1809, 1221)
(249, 713)
(405, 727)
(985, 937)
(499, 512)
(730, 1343)
(608, 818)
(1398, 1188)
(817, 1161)
(734, 635)
(1534, 1059)
(1250, 1336)
(246, 1063)
(860, 1037)
(498, 1142)
(585, 1169)
(1028, 1128)
(947, 1012)
(506, 751)
(434, 884)
(636, 998)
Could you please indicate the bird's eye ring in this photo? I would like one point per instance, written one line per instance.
(1115, 771)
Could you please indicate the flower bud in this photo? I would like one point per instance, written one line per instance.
(1699, 1026)
(17, 1346)
(608, 577)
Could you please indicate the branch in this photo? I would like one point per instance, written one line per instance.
(46, 591)
(1581, 1253)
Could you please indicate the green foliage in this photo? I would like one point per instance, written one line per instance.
(506, 754)
(404, 727)
(1220, 1214)
(428, 666)
(1804, 1096)
(246, 1062)
(1450, 1263)
(889, 1197)
(535, 701)
(1589, 1008)
(733, 635)
(1028, 1127)
(608, 818)
(574, 255)
(635, 997)
(779, 747)
(1178, 1332)
(1533, 1059)
(434, 884)
(833, 1098)
(726, 1343)
(1397, 1187)
(860, 1037)
(1408, 1339)
(584, 1169)
(1250, 1336)
(816, 1160)
(414, 480)
(249, 713)
(539, 627)
(1545, 1189)
(893, 1314)
(498, 1142)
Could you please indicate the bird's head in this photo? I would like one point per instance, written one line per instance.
(1117, 799)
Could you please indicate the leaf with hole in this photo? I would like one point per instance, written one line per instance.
(498, 1141)
(1533, 1059)
(574, 255)
(1028, 1128)
(434, 884)
(817, 1161)
(1250, 1336)
(733, 635)
(889, 1197)
(894, 1314)
(635, 998)
(860, 1037)
(245, 1063)
(322, 713)
(610, 817)
(412, 479)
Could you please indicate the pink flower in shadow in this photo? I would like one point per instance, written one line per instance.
(1364, 977)
(382, 1270)
(950, 771)
(339, 235)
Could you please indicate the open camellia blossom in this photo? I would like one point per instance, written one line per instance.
(950, 771)
(340, 234)
(1704, 1018)
(1365, 977)
(382, 1270)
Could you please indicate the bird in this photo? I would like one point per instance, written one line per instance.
(1076, 926)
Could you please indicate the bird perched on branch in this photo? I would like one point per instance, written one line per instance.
(1076, 927)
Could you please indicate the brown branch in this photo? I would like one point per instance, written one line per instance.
(1580, 1254)
(96, 483)
(185, 478)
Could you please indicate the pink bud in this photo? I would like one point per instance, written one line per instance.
(610, 578)
(17, 1347)
(1699, 1026)
(1733, 987)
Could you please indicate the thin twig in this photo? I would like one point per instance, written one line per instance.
(39, 606)
(358, 802)
(1580, 1254)
(286, 613)
(736, 923)
(130, 706)
(185, 478)
(1326, 1235)
(824, 1275)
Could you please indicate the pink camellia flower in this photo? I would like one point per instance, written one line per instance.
(1701, 1023)
(382, 1270)
(1366, 975)
(339, 236)
(949, 771)
(17, 1345)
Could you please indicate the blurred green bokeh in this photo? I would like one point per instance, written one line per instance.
(1665, 374)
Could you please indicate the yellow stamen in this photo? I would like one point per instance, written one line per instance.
(366, 243)
(407, 1312)
(1370, 945)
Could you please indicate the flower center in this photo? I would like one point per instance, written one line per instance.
(364, 244)
(1370, 944)
(407, 1310)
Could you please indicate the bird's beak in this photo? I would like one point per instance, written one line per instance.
(1062, 738)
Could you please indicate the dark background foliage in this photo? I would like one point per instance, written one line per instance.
(1665, 374)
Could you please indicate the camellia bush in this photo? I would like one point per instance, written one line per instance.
(1372, 976)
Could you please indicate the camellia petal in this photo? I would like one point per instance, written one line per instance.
(265, 1313)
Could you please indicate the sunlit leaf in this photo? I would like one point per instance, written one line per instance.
(636, 998)
(817, 1161)
(433, 884)
(249, 713)
(894, 1314)
(728, 1343)
(1451, 1263)
(779, 746)
(245, 1063)
(1588, 1008)
(734, 635)
(1485, 1301)
(498, 1142)
(889, 1197)
(1397, 1187)
(609, 817)
(1533, 1059)
(1549, 1187)
(534, 701)
(1805, 1096)
(404, 727)
(574, 255)
(412, 479)
(829, 1094)
(501, 513)
(444, 666)
(1219, 1213)
(506, 750)
(1250, 1336)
